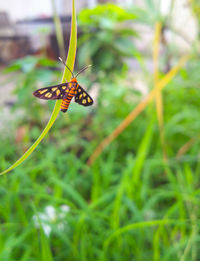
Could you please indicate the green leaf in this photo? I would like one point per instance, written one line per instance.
(87, 50)
(66, 76)
(105, 60)
(125, 46)
(109, 12)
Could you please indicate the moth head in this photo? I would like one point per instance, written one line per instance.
(73, 79)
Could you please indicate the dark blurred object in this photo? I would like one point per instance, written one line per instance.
(4, 20)
(42, 35)
(12, 46)
(31, 36)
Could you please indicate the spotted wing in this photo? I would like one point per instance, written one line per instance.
(56, 92)
(82, 97)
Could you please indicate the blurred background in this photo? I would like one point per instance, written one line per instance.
(135, 196)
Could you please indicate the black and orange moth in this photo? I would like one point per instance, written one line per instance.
(65, 92)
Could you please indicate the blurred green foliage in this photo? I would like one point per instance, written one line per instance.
(106, 39)
(195, 6)
(33, 72)
(130, 204)
(105, 197)
(151, 13)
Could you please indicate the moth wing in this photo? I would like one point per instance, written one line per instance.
(56, 92)
(82, 97)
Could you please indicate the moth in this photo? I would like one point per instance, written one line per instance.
(66, 91)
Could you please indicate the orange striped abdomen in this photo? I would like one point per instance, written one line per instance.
(65, 102)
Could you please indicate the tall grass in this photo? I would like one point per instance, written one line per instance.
(136, 111)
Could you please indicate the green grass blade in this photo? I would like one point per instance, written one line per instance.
(141, 225)
(45, 247)
(46, 253)
(142, 153)
(66, 76)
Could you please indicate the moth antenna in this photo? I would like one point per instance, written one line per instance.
(66, 66)
(86, 67)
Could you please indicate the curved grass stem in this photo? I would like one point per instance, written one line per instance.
(66, 75)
